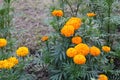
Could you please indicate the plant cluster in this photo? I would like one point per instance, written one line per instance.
(81, 48)
(13, 61)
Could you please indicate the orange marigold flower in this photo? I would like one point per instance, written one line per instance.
(22, 51)
(76, 40)
(91, 14)
(3, 42)
(67, 30)
(94, 51)
(102, 77)
(44, 38)
(79, 59)
(57, 13)
(106, 49)
(82, 49)
(71, 52)
(75, 22)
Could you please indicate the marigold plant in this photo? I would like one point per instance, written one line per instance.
(70, 56)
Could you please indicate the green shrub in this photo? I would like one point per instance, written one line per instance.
(97, 30)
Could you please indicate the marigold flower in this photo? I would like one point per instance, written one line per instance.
(106, 49)
(94, 51)
(71, 52)
(82, 49)
(75, 22)
(13, 60)
(22, 51)
(8, 63)
(44, 38)
(76, 40)
(102, 77)
(67, 30)
(3, 42)
(57, 13)
(91, 14)
(79, 59)
(1, 64)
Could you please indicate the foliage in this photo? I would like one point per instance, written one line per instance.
(8, 70)
(98, 31)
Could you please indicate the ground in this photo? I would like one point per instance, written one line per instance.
(30, 21)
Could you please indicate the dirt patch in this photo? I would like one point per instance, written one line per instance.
(30, 21)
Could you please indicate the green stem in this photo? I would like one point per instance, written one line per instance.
(72, 11)
(78, 5)
(108, 26)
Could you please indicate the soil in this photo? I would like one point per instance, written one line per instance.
(31, 21)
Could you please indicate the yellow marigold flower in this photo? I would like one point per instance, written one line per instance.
(71, 52)
(1, 64)
(91, 14)
(94, 51)
(7, 64)
(22, 51)
(75, 22)
(82, 49)
(3, 42)
(76, 40)
(57, 13)
(13, 60)
(106, 49)
(102, 77)
(67, 30)
(44, 38)
(79, 59)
